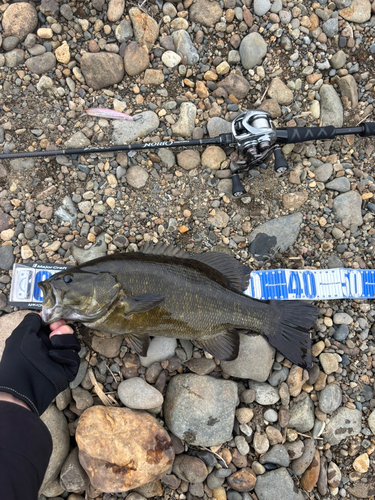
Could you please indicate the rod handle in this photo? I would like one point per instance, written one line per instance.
(237, 187)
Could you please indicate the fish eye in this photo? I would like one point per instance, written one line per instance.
(67, 278)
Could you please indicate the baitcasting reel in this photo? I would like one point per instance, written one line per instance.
(255, 137)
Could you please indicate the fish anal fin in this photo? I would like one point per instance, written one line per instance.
(223, 346)
(143, 302)
(232, 269)
(163, 249)
(138, 342)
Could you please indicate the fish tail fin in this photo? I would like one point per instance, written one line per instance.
(292, 338)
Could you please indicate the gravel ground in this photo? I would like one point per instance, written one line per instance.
(189, 68)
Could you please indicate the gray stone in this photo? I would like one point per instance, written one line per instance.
(261, 7)
(63, 399)
(137, 394)
(277, 485)
(345, 422)
(323, 172)
(184, 46)
(200, 409)
(265, 394)
(128, 131)
(294, 449)
(136, 176)
(82, 398)
(302, 414)
(371, 421)
(167, 157)
(348, 87)
(340, 184)
(160, 348)
(57, 425)
(99, 249)
(14, 58)
(19, 19)
(338, 60)
(6, 257)
(205, 12)
(124, 31)
(80, 374)
(278, 376)
(348, 206)
(275, 234)
(254, 361)
(331, 110)
(300, 464)
(217, 126)
(331, 27)
(214, 482)
(330, 398)
(72, 477)
(108, 347)
(280, 92)
(341, 333)
(276, 455)
(77, 140)
(341, 318)
(10, 43)
(252, 50)
(41, 64)
(186, 120)
(270, 415)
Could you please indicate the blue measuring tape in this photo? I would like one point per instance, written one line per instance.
(312, 284)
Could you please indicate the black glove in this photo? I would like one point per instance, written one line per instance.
(35, 368)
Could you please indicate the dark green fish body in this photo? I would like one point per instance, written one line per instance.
(198, 298)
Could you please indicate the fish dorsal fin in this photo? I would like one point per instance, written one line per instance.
(232, 269)
(138, 342)
(224, 346)
(164, 249)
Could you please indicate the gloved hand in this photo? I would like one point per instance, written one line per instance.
(36, 367)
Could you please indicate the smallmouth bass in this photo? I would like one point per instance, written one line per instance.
(163, 291)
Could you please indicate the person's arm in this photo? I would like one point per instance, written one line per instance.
(38, 362)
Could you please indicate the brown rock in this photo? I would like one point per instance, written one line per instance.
(190, 469)
(248, 17)
(311, 475)
(314, 22)
(297, 376)
(153, 77)
(108, 347)
(201, 89)
(242, 480)
(8, 323)
(236, 85)
(146, 29)
(239, 460)
(272, 107)
(150, 490)
(142, 450)
(284, 416)
(205, 12)
(130, 366)
(6, 222)
(361, 463)
(102, 69)
(213, 157)
(19, 20)
(136, 59)
(93, 46)
(313, 78)
(115, 10)
(321, 381)
(274, 435)
(188, 159)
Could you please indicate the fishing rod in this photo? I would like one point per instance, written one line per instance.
(253, 135)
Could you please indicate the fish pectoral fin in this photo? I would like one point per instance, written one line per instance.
(223, 346)
(139, 342)
(143, 302)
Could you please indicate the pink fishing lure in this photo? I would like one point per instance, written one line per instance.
(107, 113)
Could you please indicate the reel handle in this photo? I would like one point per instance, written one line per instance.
(281, 165)
(237, 187)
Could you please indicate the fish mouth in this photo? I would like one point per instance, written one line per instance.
(51, 310)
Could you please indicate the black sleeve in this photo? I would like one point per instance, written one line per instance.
(25, 449)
